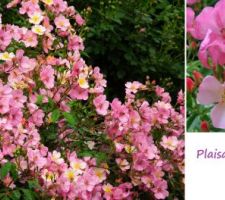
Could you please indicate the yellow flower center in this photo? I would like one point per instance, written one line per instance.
(70, 175)
(108, 188)
(6, 56)
(83, 82)
(77, 166)
(48, 2)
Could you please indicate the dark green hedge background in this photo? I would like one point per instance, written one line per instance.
(131, 39)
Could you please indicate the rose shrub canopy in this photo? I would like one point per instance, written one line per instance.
(60, 138)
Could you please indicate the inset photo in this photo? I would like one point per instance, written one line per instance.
(92, 99)
(205, 79)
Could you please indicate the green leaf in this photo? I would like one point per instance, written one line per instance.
(5, 198)
(55, 115)
(39, 99)
(27, 194)
(33, 184)
(14, 172)
(15, 195)
(69, 118)
(5, 169)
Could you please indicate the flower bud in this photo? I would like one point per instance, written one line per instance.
(197, 77)
(204, 126)
(190, 84)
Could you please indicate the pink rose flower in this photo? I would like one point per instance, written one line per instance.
(101, 105)
(27, 64)
(211, 91)
(78, 93)
(47, 76)
(62, 23)
(80, 21)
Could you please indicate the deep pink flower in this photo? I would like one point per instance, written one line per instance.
(209, 27)
(80, 21)
(75, 43)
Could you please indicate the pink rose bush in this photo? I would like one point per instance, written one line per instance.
(60, 138)
(205, 79)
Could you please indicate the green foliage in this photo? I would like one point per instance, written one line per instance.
(132, 39)
(8, 168)
(27, 191)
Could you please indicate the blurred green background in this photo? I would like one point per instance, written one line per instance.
(133, 39)
(130, 40)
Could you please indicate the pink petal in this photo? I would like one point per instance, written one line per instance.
(218, 115)
(190, 21)
(210, 91)
(205, 21)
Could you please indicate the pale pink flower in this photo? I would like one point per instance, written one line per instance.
(170, 142)
(4, 105)
(160, 191)
(27, 64)
(5, 39)
(37, 117)
(59, 6)
(135, 119)
(47, 76)
(211, 91)
(56, 157)
(132, 87)
(190, 17)
(13, 3)
(36, 18)
(101, 104)
(123, 164)
(36, 159)
(78, 93)
(62, 23)
(78, 165)
(30, 39)
(29, 7)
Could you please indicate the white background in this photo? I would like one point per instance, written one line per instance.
(204, 178)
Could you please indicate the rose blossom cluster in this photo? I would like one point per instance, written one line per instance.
(132, 126)
(208, 27)
(41, 66)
